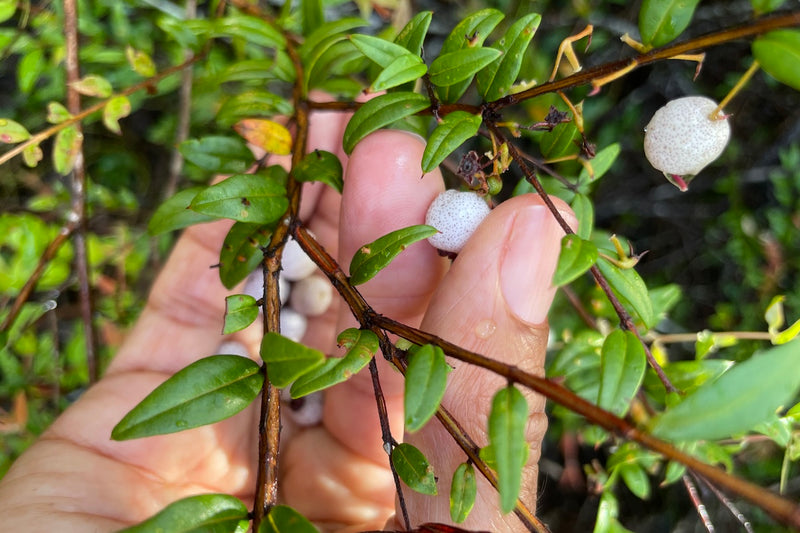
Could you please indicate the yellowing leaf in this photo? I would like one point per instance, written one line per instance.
(270, 136)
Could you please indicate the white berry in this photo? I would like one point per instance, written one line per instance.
(254, 286)
(293, 324)
(681, 138)
(311, 296)
(296, 264)
(456, 215)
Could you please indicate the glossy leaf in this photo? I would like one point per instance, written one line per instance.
(68, 144)
(413, 468)
(204, 513)
(250, 70)
(559, 142)
(661, 21)
(338, 57)
(463, 490)
(242, 251)
(209, 390)
(241, 310)
(12, 132)
(252, 29)
(495, 80)
(57, 113)
(217, 154)
(287, 360)
(636, 479)
(313, 15)
(622, 366)
(93, 85)
(253, 198)
(284, 519)
(744, 396)
(778, 53)
(379, 112)
(361, 347)
(450, 69)
(116, 108)
(576, 257)
(140, 62)
(320, 38)
(449, 134)
(7, 9)
(402, 70)
(251, 104)
(375, 256)
(583, 208)
(30, 68)
(381, 51)
(508, 419)
(174, 213)
(268, 135)
(601, 162)
(425, 383)
(629, 285)
(320, 166)
(412, 36)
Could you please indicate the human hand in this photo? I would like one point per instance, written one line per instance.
(493, 299)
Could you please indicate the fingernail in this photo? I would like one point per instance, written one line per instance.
(526, 270)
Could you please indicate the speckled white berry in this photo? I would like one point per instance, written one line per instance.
(254, 286)
(456, 215)
(311, 296)
(295, 263)
(681, 138)
(293, 324)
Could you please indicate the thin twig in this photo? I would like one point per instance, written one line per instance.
(697, 501)
(734, 510)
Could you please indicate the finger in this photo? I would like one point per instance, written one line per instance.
(494, 300)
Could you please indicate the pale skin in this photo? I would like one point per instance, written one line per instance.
(493, 299)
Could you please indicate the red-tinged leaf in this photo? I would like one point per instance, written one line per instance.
(12, 132)
(270, 136)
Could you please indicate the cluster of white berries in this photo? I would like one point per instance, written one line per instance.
(456, 215)
(304, 292)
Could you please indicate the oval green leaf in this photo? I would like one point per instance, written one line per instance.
(413, 33)
(207, 391)
(778, 53)
(361, 347)
(30, 67)
(583, 208)
(381, 51)
(426, 381)
(375, 256)
(66, 148)
(251, 104)
(216, 153)
(204, 513)
(287, 360)
(7, 9)
(174, 213)
(253, 198)
(254, 30)
(661, 21)
(284, 519)
(448, 135)
(413, 468)
(463, 490)
(744, 396)
(627, 283)
(322, 35)
(402, 70)
(576, 257)
(379, 112)
(321, 166)
(507, 421)
(93, 85)
(461, 65)
(241, 310)
(57, 113)
(313, 15)
(636, 479)
(558, 142)
(601, 163)
(12, 131)
(622, 367)
(495, 80)
(140, 62)
(116, 108)
(242, 251)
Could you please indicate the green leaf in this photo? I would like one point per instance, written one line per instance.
(412, 36)
(627, 283)
(463, 490)
(12, 132)
(57, 113)
(313, 15)
(140, 62)
(778, 53)
(7, 9)
(361, 347)
(321, 166)
(204, 513)
(413, 468)
(381, 51)
(375, 256)
(254, 198)
(250, 70)
(287, 360)
(253, 30)
(242, 251)
(744, 396)
(455, 67)
(284, 519)
(762, 7)
(379, 112)
(448, 135)
(32, 154)
(495, 81)
(30, 67)
(217, 154)
(661, 21)
(426, 380)
(207, 391)
(583, 208)
(558, 142)
(601, 163)
(402, 70)
(116, 108)
(636, 479)
(622, 366)
(251, 104)
(507, 421)
(320, 37)
(67, 146)
(241, 310)
(93, 85)
(174, 213)
(576, 257)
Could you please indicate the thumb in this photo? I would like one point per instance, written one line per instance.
(494, 300)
